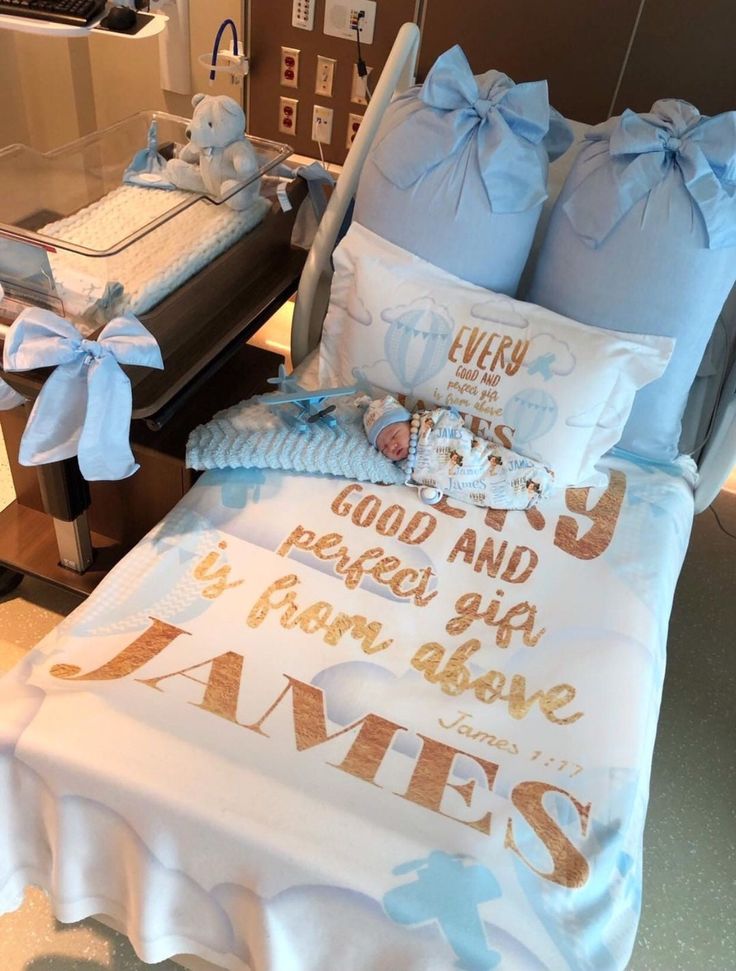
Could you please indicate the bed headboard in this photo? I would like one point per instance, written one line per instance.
(709, 423)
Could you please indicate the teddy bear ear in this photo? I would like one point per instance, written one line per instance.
(197, 98)
(230, 105)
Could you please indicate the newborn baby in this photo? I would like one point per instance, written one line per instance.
(441, 453)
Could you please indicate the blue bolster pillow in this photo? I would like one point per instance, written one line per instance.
(458, 172)
(642, 240)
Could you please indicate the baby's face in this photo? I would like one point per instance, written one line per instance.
(393, 441)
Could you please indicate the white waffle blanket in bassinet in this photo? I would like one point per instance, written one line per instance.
(152, 267)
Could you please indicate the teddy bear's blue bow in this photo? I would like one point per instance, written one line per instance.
(643, 149)
(502, 118)
(84, 407)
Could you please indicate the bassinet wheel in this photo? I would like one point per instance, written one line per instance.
(9, 580)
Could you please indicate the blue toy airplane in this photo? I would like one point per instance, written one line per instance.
(308, 403)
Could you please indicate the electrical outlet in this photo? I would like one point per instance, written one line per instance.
(359, 87)
(289, 72)
(353, 126)
(342, 19)
(287, 115)
(322, 124)
(325, 75)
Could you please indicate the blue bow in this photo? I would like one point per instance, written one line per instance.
(8, 397)
(502, 117)
(84, 407)
(643, 149)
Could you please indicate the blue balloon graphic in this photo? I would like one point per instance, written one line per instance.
(531, 413)
(416, 341)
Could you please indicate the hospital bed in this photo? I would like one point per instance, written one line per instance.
(250, 750)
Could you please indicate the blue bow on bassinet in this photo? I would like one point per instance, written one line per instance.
(8, 397)
(84, 407)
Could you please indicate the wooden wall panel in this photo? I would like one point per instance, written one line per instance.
(577, 45)
(270, 30)
(686, 50)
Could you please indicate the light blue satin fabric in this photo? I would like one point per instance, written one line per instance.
(643, 149)
(502, 117)
(84, 407)
(8, 397)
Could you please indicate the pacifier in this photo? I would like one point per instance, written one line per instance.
(430, 495)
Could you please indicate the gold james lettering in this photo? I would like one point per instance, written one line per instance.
(463, 725)
(370, 741)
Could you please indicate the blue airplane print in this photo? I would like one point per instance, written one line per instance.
(543, 365)
(447, 891)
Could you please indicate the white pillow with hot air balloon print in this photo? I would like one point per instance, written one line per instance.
(542, 384)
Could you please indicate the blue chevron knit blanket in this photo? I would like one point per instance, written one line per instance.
(251, 435)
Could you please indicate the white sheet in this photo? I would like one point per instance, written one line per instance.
(199, 803)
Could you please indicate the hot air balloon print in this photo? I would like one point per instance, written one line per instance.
(417, 340)
(531, 413)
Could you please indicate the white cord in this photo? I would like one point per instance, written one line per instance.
(321, 153)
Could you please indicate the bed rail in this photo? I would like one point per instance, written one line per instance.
(314, 287)
(718, 457)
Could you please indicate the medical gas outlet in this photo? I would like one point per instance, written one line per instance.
(287, 115)
(322, 124)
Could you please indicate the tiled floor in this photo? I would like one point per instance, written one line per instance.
(690, 857)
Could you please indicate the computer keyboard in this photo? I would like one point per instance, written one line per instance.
(77, 13)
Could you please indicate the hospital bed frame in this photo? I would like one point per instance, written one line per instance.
(715, 458)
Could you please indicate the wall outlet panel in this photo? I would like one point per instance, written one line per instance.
(358, 87)
(271, 27)
(322, 124)
(288, 108)
(353, 126)
(289, 71)
(302, 14)
(342, 18)
(324, 83)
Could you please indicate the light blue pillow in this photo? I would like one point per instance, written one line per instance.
(252, 435)
(458, 173)
(643, 240)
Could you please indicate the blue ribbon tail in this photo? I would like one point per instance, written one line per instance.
(53, 428)
(104, 448)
